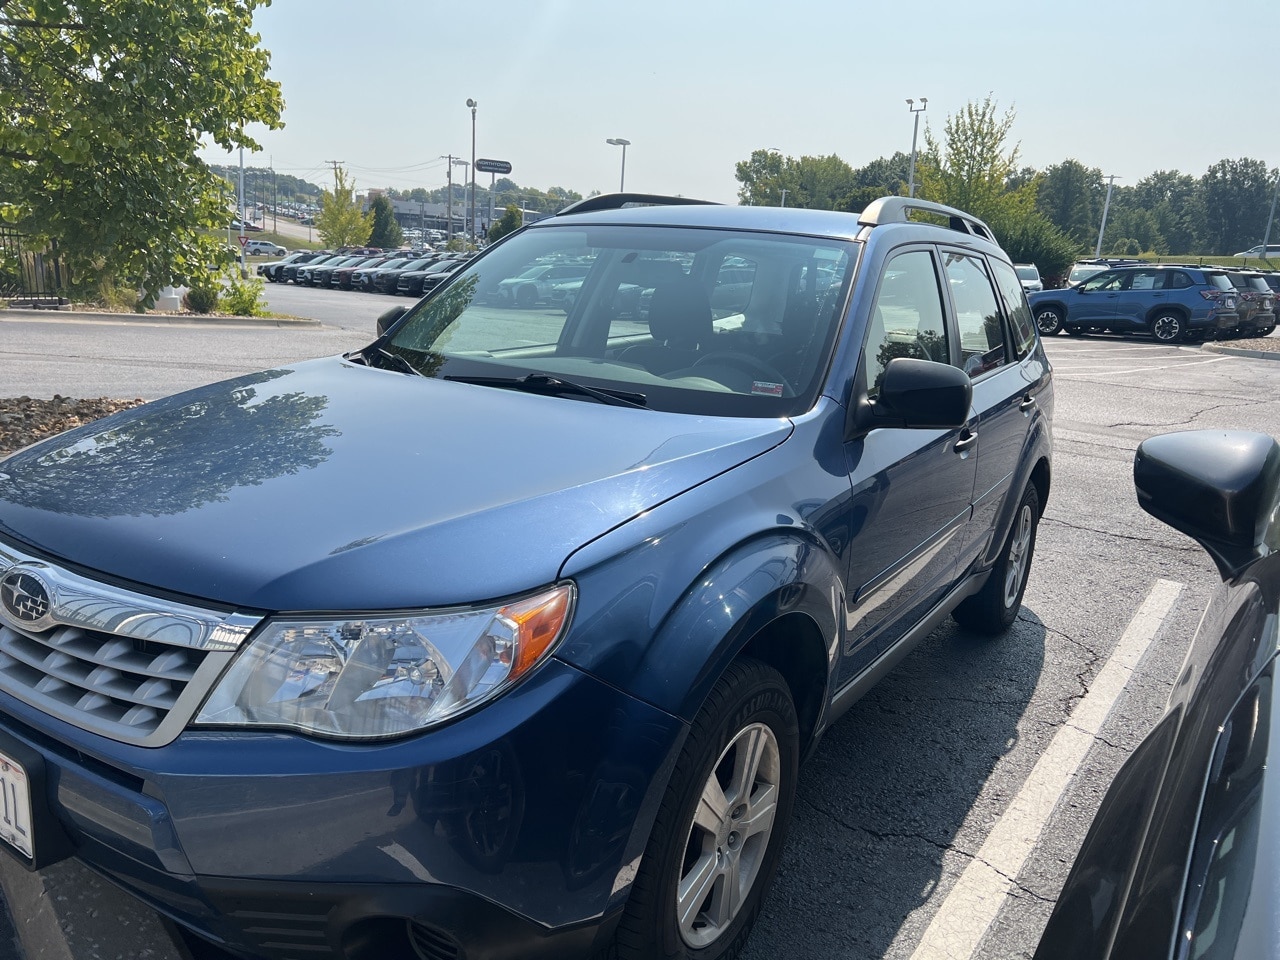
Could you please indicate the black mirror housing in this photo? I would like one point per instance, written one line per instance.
(388, 319)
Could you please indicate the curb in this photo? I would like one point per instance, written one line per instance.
(161, 318)
(64, 912)
(1242, 352)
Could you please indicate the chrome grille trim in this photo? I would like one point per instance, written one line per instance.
(120, 664)
(77, 601)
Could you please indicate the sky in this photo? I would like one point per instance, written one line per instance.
(1130, 87)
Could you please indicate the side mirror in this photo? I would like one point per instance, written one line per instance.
(388, 319)
(916, 394)
(1220, 487)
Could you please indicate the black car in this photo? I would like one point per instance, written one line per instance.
(320, 274)
(272, 270)
(1257, 303)
(1183, 859)
(362, 277)
(386, 277)
(431, 280)
(301, 273)
(410, 284)
(341, 276)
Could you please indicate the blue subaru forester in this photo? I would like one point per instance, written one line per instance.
(505, 635)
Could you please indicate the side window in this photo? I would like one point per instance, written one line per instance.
(1146, 280)
(732, 290)
(977, 315)
(1177, 280)
(1103, 281)
(906, 320)
(1015, 302)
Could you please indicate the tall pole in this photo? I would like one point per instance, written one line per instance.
(1106, 206)
(448, 235)
(1266, 236)
(784, 196)
(275, 198)
(244, 270)
(915, 132)
(472, 105)
(619, 142)
(493, 179)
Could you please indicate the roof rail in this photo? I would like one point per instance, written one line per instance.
(616, 201)
(896, 210)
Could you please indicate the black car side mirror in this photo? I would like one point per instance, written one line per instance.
(1220, 487)
(917, 394)
(388, 319)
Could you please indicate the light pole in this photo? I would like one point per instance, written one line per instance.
(619, 142)
(784, 196)
(472, 105)
(915, 130)
(1266, 235)
(1111, 182)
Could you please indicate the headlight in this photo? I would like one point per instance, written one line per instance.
(364, 677)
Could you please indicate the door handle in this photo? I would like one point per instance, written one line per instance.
(968, 439)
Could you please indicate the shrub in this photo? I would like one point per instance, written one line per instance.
(200, 299)
(243, 297)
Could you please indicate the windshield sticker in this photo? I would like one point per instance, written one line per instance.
(766, 389)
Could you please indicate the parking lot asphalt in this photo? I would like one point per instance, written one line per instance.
(917, 797)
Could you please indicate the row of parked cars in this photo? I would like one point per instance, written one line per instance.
(406, 272)
(1171, 302)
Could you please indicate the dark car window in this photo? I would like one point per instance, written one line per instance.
(907, 318)
(1178, 280)
(982, 339)
(1015, 302)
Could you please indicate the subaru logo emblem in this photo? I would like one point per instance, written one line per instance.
(24, 596)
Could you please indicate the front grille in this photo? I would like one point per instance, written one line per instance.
(121, 664)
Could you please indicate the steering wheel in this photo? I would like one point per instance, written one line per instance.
(748, 364)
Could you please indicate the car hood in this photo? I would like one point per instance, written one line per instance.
(334, 486)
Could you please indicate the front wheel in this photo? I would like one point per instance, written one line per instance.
(719, 832)
(1049, 320)
(993, 609)
(1168, 327)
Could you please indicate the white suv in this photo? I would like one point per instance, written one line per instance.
(265, 247)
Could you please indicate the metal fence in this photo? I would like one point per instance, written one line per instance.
(30, 274)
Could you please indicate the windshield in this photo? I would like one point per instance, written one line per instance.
(1083, 271)
(1027, 273)
(695, 321)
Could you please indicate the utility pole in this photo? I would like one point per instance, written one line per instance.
(1266, 236)
(448, 236)
(244, 270)
(275, 196)
(335, 164)
(1111, 182)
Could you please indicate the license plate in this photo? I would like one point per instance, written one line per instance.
(15, 806)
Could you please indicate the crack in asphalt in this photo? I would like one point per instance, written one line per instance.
(1189, 548)
(1190, 420)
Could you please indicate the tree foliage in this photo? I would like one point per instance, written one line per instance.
(509, 222)
(386, 232)
(341, 222)
(106, 105)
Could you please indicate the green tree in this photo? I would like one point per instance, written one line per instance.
(1071, 196)
(386, 232)
(1174, 200)
(1237, 197)
(340, 221)
(764, 175)
(509, 222)
(971, 170)
(106, 104)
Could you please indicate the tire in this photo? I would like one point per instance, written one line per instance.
(745, 736)
(993, 609)
(526, 296)
(1074, 331)
(1168, 327)
(1267, 330)
(1049, 320)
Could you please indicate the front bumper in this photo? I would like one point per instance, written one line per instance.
(513, 831)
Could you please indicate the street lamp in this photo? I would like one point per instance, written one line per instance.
(619, 142)
(472, 105)
(915, 130)
(1106, 206)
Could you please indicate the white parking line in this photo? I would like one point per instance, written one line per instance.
(973, 903)
(1066, 369)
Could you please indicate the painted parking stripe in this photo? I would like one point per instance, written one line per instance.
(973, 903)
(1067, 370)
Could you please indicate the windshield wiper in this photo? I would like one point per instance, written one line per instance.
(544, 383)
(399, 362)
